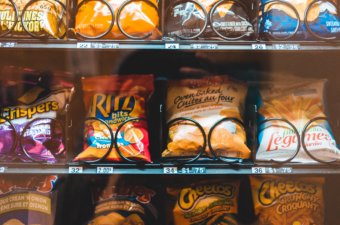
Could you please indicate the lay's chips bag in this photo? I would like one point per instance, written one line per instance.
(206, 100)
(27, 200)
(288, 201)
(33, 115)
(113, 100)
(298, 102)
(211, 202)
(280, 20)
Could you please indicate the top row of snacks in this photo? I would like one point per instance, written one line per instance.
(218, 20)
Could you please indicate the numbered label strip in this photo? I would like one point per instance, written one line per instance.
(184, 170)
(271, 170)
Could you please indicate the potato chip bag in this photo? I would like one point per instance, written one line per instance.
(125, 203)
(207, 202)
(33, 115)
(27, 200)
(41, 18)
(288, 201)
(137, 19)
(206, 100)
(114, 100)
(280, 20)
(298, 102)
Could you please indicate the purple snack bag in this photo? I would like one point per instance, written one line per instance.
(32, 117)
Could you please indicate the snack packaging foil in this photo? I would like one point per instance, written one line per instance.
(280, 20)
(42, 18)
(27, 200)
(33, 115)
(115, 99)
(125, 204)
(298, 102)
(187, 19)
(206, 202)
(137, 19)
(206, 100)
(288, 201)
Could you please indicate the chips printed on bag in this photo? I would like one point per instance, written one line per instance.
(41, 18)
(288, 201)
(207, 202)
(115, 99)
(33, 115)
(206, 100)
(137, 19)
(298, 102)
(27, 200)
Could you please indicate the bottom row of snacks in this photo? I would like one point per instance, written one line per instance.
(273, 200)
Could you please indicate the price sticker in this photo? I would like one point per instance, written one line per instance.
(84, 45)
(171, 46)
(285, 170)
(8, 44)
(286, 46)
(259, 46)
(104, 170)
(170, 170)
(2, 169)
(75, 169)
(204, 46)
(110, 45)
(258, 170)
(97, 45)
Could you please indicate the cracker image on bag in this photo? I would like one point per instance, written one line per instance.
(112, 100)
(207, 101)
(206, 202)
(288, 201)
(299, 103)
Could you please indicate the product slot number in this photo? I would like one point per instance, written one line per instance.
(8, 44)
(104, 170)
(184, 170)
(75, 169)
(259, 46)
(171, 46)
(2, 169)
(84, 45)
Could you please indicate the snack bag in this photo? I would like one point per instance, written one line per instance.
(115, 99)
(41, 18)
(280, 20)
(298, 102)
(27, 200)
(206, 202)
(125, 204)
(33, 115)
(137, 19)
(288, 201)
(230, 19)
(206, 100)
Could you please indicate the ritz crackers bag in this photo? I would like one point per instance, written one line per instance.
(34, 102)
(27, 200)
(116, 99)
(41, 18)
(298, 102)
(288, 201)
(206, 100)
(137, 19)
(207, 202)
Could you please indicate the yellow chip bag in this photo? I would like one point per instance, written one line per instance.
(288, 201)
(208, 202)
(206, 101)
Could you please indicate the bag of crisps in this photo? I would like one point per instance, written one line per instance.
(207, 101)
(41, 19)
(27, 200)
(280, 20)
(125, 203)
(288, 201)
(33, 115)
(206, 202)
(111, 101)
(299, 103)
(138, 19)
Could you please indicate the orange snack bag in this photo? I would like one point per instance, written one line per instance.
(113, 100)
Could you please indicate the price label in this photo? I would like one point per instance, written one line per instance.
(2, 169)
(75, 169)
(204, 46)
(105, 170)
(84, 45)
(8, 44)
(258, 170)
(259, 46)
(170, 170)
(171, 46)
(285, 170)
(286, 46)
(104, 45)
(193, 170)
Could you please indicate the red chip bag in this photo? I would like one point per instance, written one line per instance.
(111, 101)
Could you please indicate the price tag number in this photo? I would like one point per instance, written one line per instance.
(170, 170)
(104, 170)
(258, 170)
(286, 46)
(259, 46)
(172, 46)
(194, 170)
(75, 169)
